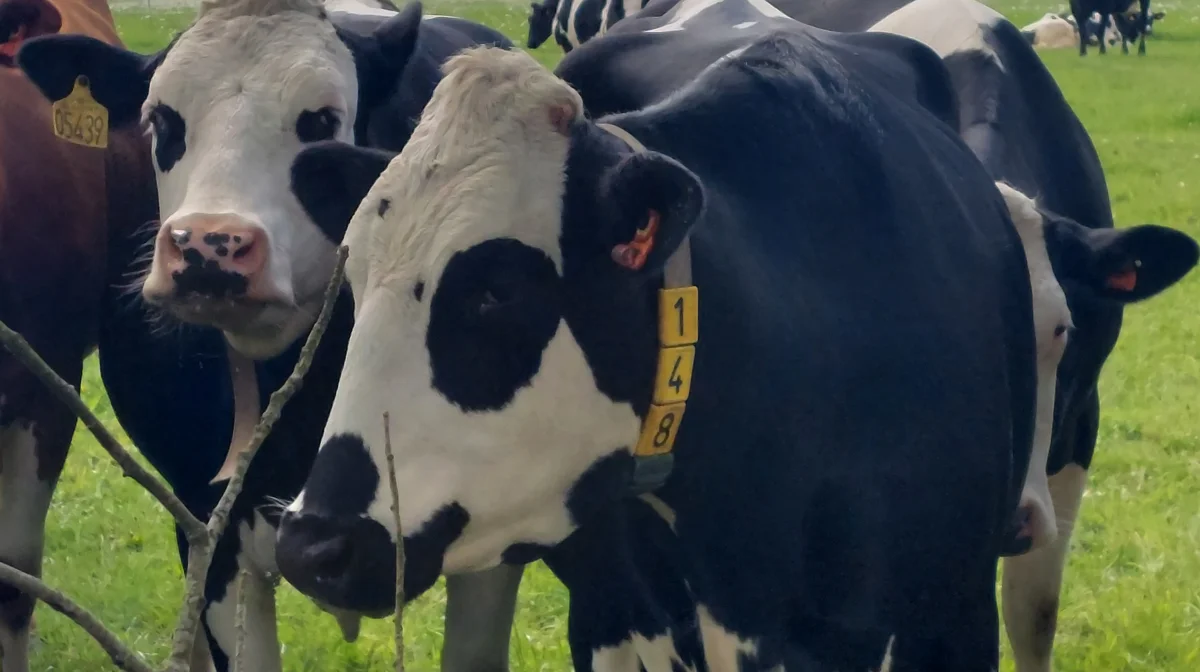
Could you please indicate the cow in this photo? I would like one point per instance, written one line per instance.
(573, 22)
(862, 405)
(1131, 23)
(60, 204)
(1015, 119)
(214, 316)
(1052, 32)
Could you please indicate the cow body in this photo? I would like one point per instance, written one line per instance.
(573, 22)
(60, 204)
(1131, 21)
(798, 530)
(1015, 119)
(182, 391)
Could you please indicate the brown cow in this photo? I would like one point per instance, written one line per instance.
(60, 205)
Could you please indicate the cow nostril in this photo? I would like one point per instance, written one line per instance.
(329, 558)
(244, 250)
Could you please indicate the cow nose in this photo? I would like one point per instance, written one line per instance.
(215, 256)
(345, 562)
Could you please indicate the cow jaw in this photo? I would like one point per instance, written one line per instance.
(233, 103)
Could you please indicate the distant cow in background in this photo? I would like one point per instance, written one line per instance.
(1052, 32)
(1131, 21)
(573, 22)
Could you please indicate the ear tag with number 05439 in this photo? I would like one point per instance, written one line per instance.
(78, 118)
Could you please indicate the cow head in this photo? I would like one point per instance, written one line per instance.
(541, 22)
(511, 354)
(230, 103)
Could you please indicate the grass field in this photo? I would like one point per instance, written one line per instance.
(1132, 600)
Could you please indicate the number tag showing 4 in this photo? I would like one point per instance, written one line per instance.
(78, 118)
(678, 332)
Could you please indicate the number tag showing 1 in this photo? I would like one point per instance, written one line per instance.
(678, 331)
(78, 118)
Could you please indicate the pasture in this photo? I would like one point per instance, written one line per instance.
(1132, 595)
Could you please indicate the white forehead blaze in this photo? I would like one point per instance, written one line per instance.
(485, 164)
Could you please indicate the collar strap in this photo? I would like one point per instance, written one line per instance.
(678, 332)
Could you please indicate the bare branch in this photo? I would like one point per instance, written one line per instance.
(391, 464)
(193, 529)
(198, 562)
(239, 624)
(121, 656)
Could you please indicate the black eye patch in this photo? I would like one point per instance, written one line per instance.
(170, 132)
(494, 311)
(315, 126)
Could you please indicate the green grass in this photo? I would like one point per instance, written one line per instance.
(1132, 598)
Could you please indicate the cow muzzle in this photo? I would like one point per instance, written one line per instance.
(212, 269)
(348, 563)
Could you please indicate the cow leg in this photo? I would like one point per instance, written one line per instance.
(1032, 582)
(1143, 12)
(1081, 22)
(33, 448)
(24, 501)
(479, 616)
(260, 645)
(1103, 33)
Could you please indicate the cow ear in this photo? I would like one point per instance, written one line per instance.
(397, 37)
(652, 201)
(331, 178)
(119, 79)
(1124, 265)
(1158, 15)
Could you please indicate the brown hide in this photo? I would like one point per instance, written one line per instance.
(61, 205)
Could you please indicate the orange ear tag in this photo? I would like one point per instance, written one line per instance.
(10, 47)
(633, 255)
(1124, 281)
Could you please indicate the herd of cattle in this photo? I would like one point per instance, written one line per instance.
(872, 231)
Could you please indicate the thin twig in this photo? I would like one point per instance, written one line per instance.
(198, 562)
(391, 466)
(12, 341)
(239, 623)
(121, 656)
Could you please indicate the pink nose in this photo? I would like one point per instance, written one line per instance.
(213, 256)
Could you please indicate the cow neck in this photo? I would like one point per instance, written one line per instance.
(678, 333)
(243, 377)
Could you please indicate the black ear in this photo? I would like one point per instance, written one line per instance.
(380, 58)
(119, 79)
(654, 195)
(1158, 15)
(1124, 265)
(331, 178)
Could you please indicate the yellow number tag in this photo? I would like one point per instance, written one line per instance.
(78, 118)
(660, 429)
(674, 380)
(678, 316)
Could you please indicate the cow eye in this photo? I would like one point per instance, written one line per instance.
(315, 126)
(169, 133)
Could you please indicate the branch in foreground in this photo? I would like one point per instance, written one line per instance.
(199, 559)
(121, 656)
(12, 341)
(239, 624)
(391, 464)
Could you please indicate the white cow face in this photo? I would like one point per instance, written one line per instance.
(228, 105)
(495, 332)
(234, 101)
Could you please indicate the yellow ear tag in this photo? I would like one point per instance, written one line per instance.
(78, 118)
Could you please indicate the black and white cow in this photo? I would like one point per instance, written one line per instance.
(862, 407)
(1131, 21)
(573, 22)
(230, 103)
(1015, 119)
